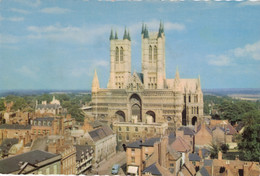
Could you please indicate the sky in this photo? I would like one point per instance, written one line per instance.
(57, 44)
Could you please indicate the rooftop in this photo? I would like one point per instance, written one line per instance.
(12, 164)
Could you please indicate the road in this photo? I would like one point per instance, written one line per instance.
(106, 166)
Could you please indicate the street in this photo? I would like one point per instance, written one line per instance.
(106, 166)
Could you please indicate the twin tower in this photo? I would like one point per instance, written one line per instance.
(153, 59)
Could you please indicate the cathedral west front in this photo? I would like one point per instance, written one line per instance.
(147, 97)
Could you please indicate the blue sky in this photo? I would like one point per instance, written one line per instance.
(57, 44)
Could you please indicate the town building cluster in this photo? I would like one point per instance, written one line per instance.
(157, 122)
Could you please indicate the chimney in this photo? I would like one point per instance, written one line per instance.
(219, 155)
(200, 153)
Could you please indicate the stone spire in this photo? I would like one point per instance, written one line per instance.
(142, 29)
(198, 84)
(116, 37)
(95, 83)
(125, 35)
(128, 36)
(146, 34)
(160, 30)
(111, 35)
(177, 75)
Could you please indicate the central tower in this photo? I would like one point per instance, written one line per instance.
(120, 61)
(153, 58)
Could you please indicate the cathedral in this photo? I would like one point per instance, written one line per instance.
(146, 97)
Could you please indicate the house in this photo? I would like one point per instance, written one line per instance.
(34, 162)
(84, 156)
(103, 141)
(203, 136)
(153, 156)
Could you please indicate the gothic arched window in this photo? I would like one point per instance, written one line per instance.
(117, 54)
(155, 54)
(121, 54)
(150, 53)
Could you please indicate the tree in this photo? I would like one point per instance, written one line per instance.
(249, 145)
(214, 149)
(224, 148)
(2, 105)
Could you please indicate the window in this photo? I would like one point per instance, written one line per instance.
(119, 137)
(189, 99)
(197, 110)
(119, 129)
(146, 156)
(127, 137)
(121, 54)
(132, 159)
(55, 169)
(146, 129)
(155, 54)
(127, 128)
(171, 165)
(47, 171)
(136, 129)
(117, 54)
(150, 53)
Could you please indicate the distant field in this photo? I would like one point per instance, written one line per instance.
(250, 97)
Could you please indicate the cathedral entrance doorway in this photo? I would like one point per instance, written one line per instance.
(120, 116)
(194, 120)
(150, 117)
(136, 108)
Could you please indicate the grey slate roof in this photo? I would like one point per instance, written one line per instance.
(7, 144)
(194, 157)
(203, 171)
(171, 138)
(15, 126)
(11, 164)
(152, 169)
(80, 149)
(100, 133)
(150, 142)
(136, 144)
(187, 131)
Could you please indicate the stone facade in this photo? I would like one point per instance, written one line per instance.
(148, 96)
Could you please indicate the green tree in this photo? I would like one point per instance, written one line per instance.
(2, 105)
(249, 145)
(214, 149)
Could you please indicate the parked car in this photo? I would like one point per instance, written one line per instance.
(115, 169)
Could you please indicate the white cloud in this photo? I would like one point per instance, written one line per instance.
(93, 64)
(28, 72)
(19, 11)
(31, 3)
(8, 39)
(55, 10)
(249, 3)
(249, 51)
(15, 19)
(220, 60)
(69, 33)
(87, 34)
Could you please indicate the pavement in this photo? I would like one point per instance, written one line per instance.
(106, 166)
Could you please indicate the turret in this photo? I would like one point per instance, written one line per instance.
(111, 35)
(95, 83)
